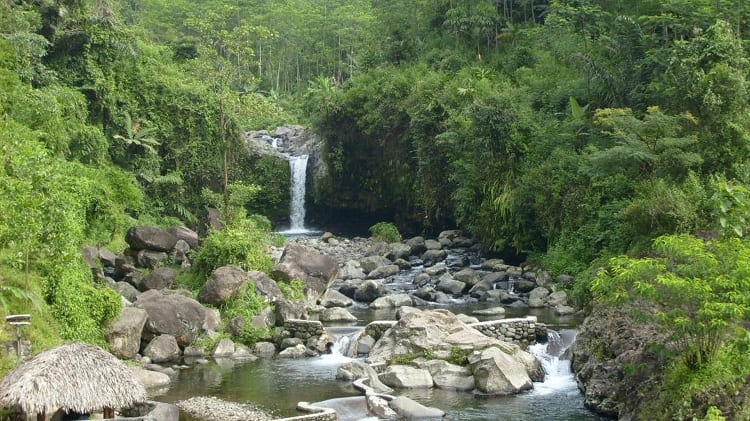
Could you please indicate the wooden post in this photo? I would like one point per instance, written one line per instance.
(41, 417)
(109, 413)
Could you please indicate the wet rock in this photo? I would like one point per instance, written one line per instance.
(264, 349)
(557, 298)
(494, 265)
(337, 314)
(497, 373)
(451, 286)
(352, 270)
(406, 377)
(431, 257)
(368, 291)
(290, 342)
(468, 276)
(436, 270)
(399, 251)
(364, 344)
(383, 272)
(150, 238)
(297, 351)
(537, 297)
(417, 246)
(390, 301)
(379, 407)
(349, 287)
(409, 409)
(370, 263)
(563, 310)
(151, 380)
(402, 264)
(333, 298)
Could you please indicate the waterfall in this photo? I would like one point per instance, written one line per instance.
(298, 170)
(558, 376)
(344, 347)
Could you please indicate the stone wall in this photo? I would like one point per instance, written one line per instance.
(316, 413)
(9, 348)
(521, 331)
(304, 329)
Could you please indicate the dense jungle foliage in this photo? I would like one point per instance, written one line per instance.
(604, 138)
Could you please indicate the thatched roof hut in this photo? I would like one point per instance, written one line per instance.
(74, 377)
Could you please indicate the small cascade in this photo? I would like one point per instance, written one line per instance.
(558, 375)
(511, 285)
(344, 347)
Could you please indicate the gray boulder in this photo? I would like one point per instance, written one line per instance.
(436, 270)
(430, 257)
(563, 310)
(447, 375)
(266, 318)
(356, 370)
(392, 300)
(162, 349)
(494, 265)
(364, 344)
(498, 373)
(126, 290)
(399, 251)
(468, 276)
(351, 270)
(124, 335)
(185, 234)
(264, 349)
(524, 285)
(537, 297)
(368, 291)
(265, 286)
(297, 351)
(406, 377)
(315, 269)
(150, 258)
(557, 298)
(107, 258)
(451, 286)
(91, 257)
(149, 238)
(225, 348)
(416, 245)
(151, 380)
(383, 272)
(172, 314)
(160, 278)
(337, 314)
(411, 410)
(225, 283)
(432, 245)
(289, 309)
(333, 298)
(370, 263)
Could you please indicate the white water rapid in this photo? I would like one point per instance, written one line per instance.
(558, 377)
(298, 169)
(344, 347)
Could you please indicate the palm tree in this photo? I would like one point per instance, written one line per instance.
(137, 135)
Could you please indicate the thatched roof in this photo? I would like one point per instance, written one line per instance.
(73, 377)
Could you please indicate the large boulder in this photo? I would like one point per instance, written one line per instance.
(557, 298)
(333, 298)
(289, 310)
(497, 373)
(383, 272)
(537, 297)
(409, 409)
(315, 269)
(185, 234)
(368, 291)
(356, 370)
(468, 276)
(224, 283)
(416, 246)
(265, 286)
(160, 278)
(449, 376)
(430, 257)
(392, 300)
(351, 270)
(149, 259)
(336, 314)
(451, 286)
(162, 349)
(370, 263)
(150, 379)
(150, 238)
(124, 335)
(406, 377)
(172, 314)
(399, 251)
(126, 290)
(437, 331)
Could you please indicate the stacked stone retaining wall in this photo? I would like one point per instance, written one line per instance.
(304, 329)
(521, 331)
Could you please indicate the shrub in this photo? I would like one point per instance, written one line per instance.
(386, 231)
(247, 305)
(243, 243)
(293, 290)
(458, 356)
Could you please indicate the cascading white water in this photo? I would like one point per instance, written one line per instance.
(298, 169)
(344, 347)
(558, 376)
